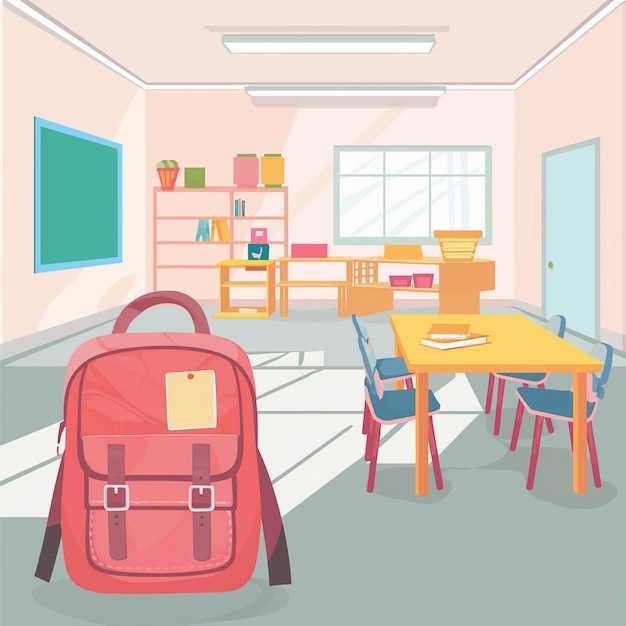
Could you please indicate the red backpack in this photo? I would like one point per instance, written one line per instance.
(161, 487)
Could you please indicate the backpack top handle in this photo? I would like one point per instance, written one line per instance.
(140, 304)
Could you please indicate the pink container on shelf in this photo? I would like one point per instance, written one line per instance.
(246, 170)
(423, 281)
(258, 235)
(309, 250)
(400, 281)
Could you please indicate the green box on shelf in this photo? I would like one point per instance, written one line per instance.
(194, 177)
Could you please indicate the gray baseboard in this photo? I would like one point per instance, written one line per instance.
(41, 338)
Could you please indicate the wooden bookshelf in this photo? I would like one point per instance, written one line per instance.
(175, 217)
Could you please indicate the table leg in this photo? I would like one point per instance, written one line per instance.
(580, 432)
(421, 434)
(400, 383)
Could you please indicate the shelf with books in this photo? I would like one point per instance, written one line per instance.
(195, 228)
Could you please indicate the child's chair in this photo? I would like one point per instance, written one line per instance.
(391, 406)
(555, 324)
(558, 404)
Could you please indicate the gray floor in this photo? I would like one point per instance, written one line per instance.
(484, 550)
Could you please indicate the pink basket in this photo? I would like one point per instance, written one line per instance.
(423, 281)
(400, 281)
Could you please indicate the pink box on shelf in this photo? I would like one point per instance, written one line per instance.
(309, 250)
(400, 281)
(423, 280)
(258, 235)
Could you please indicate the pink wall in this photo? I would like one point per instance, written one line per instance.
(578, 96)
(45, 77)
(207, 128)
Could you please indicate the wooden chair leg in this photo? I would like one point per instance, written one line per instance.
(366, 416)
(496, 424)
(409, 383)
(434, 454)
(571, 433)
(534, 452)
(374, 445)
(519, 414)
(549, 423)
(489, 394)
(593, 455)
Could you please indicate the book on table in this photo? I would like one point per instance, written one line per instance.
(473, 339)
(449, 331)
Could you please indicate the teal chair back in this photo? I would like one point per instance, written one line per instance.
(556, 325)
(604, 353)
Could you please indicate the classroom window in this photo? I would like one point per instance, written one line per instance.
(402, 194)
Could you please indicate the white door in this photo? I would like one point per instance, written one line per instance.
(571, 228)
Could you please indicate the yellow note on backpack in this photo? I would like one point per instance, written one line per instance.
(191, 400)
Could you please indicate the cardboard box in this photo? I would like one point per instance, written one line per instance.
(404, 251)
(194, 177)
(309, 250)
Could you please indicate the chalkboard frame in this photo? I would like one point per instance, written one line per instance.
(76, 225)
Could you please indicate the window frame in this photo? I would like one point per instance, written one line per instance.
(338, 240)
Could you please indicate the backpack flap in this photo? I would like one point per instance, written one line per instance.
(160, 504)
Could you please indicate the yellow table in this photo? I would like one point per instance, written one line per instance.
(515, 344)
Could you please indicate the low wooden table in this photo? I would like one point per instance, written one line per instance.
(459, 288)
(285, 283)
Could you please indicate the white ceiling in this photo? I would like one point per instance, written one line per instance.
(480, 42)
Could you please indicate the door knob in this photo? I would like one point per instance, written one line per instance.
(550, 265)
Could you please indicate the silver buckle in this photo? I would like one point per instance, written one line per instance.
(200, 489)
(116, 490)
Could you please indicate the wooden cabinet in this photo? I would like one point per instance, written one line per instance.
(267, 281)
(180, 262)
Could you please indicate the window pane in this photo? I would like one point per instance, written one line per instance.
(361, 162)
(407, 206)
(406, 162)
(458, 202)
(361, 202)
(459, 162)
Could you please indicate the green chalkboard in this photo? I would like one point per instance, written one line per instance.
(78, 198)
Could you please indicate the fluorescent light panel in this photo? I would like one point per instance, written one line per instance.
(401, 91)
(329, 44)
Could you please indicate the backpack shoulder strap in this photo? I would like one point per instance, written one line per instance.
(52, 536)
(273, 530)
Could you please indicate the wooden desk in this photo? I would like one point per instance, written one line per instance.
(342, 285)
(516, 344)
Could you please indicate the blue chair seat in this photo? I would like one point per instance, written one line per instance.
(391, 368)
(550, 402)
(398, 404)
(531, 377)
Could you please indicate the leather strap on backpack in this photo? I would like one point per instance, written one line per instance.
(273, 530)
(201, 501)
(52, 536)
(116, 501)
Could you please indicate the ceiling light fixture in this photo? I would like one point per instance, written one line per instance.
(329, 44)
(334, 95)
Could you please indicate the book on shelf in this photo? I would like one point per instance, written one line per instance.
(219, 227)
(449, 331)
(202, 232)
(473, 339)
